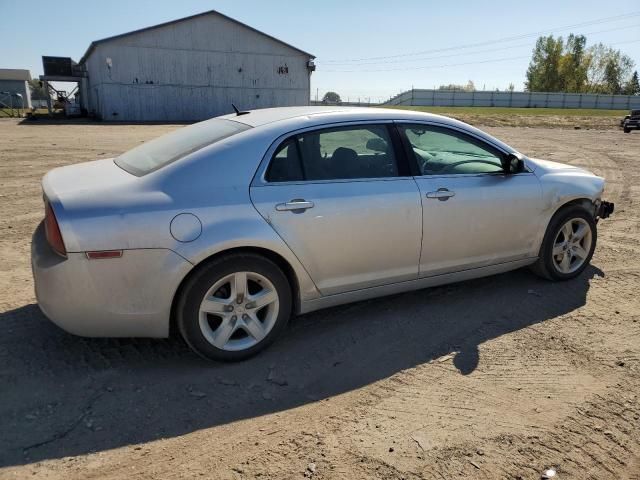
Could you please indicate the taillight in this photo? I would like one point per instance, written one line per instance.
(52, 231)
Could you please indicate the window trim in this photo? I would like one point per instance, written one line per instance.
(402, 162)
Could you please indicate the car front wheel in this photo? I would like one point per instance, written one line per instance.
(568, 244)
(234, 307)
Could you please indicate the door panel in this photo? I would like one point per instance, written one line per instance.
(476, 220)
(348, 234)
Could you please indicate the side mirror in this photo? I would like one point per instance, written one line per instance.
(376, 145)
(512, 164)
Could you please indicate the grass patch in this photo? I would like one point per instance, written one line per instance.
(506, 111)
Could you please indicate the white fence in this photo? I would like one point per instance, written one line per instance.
(456, 98)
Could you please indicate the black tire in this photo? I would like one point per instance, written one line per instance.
(626, 130)
(545, 265)
(188, 307)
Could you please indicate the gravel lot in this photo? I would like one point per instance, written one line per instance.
(494, 378)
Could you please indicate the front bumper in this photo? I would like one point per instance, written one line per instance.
(605, 209)
(129, 296)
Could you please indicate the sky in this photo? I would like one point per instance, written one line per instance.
(366, 50)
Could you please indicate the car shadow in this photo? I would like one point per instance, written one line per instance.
(67, 396)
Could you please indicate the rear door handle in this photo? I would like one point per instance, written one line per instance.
(441, 194)
(293, 205)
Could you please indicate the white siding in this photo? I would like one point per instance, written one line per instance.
(198, 68)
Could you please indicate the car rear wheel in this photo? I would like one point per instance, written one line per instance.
(568, 244)
(234, 307)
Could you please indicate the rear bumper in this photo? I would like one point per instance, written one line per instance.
(605, 209)
(129, 296)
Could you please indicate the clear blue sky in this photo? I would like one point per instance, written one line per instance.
(343, 30)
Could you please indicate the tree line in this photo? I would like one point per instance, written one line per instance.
(559, 65)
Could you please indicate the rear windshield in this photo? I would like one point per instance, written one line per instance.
(161, 151)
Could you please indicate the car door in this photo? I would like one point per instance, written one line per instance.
(474, 214)
(345, 204)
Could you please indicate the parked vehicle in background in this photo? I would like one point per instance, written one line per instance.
(227, 227)
(631, 121)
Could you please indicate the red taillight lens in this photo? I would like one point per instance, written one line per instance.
(52, 230)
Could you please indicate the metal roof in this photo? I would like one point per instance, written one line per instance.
(160, 25)
(14, 74)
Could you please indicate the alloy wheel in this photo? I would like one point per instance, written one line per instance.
(239, 311)
(572, 245)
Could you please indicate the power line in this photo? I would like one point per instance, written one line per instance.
(490, 42)
(448, 55)
(428, 67)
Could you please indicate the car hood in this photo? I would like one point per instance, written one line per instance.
(562, 183)
(542, 167)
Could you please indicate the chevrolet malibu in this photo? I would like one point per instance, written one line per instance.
(223, 229)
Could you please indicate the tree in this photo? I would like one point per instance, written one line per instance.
(37, 90)
(469, 87)
(511, 87)
(573, 64)
(609, 69)
(633, 85)
(331, 98)
(543, 74)
(559, 66)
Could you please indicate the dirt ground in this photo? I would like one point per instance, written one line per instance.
(495, 378)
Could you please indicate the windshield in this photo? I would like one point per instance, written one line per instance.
(161, 151)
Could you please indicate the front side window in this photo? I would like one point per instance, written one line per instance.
(365, 151)
(441, 151)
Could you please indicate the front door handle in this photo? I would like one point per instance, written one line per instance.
(295, 206)
(441, 194)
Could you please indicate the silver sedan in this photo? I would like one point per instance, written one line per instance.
(224, 229)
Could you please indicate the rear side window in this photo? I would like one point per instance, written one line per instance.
(286, 165)
(162, 151)
(365, 151)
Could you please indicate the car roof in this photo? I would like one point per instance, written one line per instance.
(287, 118)
(323, 114)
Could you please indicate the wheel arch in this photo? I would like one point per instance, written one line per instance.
(584, 202)
(276, 258)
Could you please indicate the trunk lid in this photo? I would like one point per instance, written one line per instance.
(100, 206)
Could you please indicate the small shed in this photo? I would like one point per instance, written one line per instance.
(14, 88)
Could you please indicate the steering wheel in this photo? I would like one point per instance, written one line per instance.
(450, 166)
(422, 157)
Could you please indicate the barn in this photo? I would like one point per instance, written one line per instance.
(192, 69)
